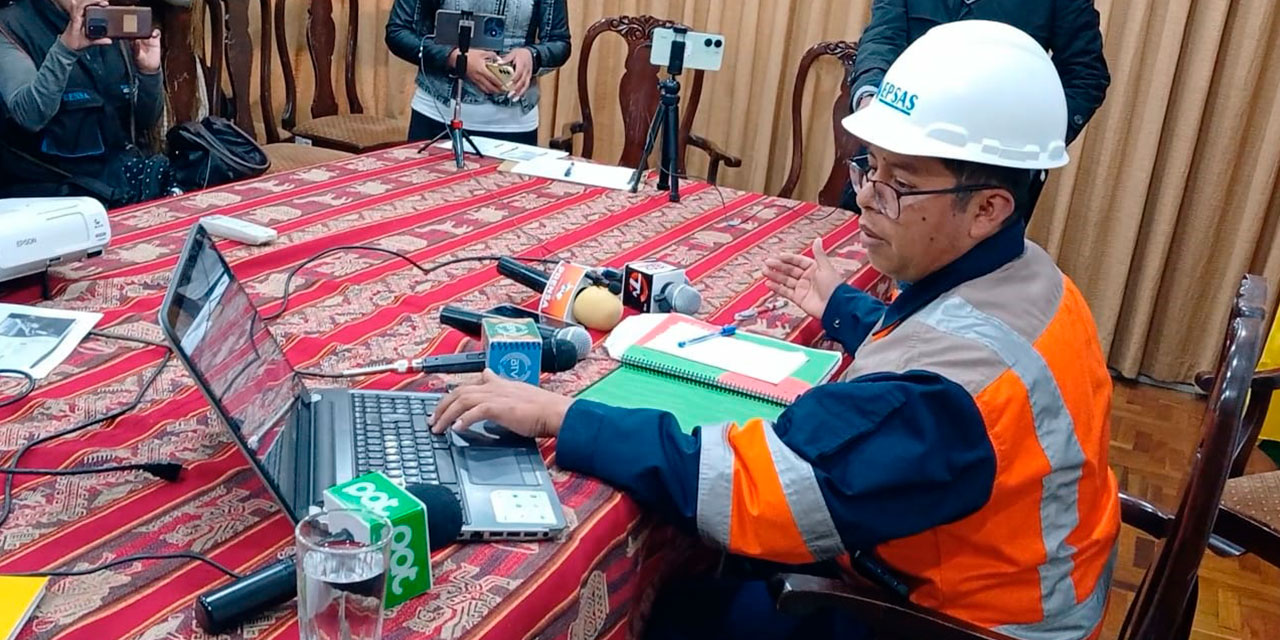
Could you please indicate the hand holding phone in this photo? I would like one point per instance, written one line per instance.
(146, 53)
(478, 71)
(119, 23)
(74, 36)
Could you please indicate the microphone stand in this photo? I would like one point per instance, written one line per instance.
(667, 122)
(457, 134)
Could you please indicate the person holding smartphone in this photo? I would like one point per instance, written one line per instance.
(536, 41)
(73, 108)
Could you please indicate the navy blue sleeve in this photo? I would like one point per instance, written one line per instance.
(851, 315)
(894, 454)
(643, 452)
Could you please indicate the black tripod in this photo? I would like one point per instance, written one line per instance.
(457, 134)
(667, 122)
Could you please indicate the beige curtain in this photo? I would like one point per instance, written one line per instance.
(1172, 193)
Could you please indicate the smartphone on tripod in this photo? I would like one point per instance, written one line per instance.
(701, 50)
(489, 31)
(465, 30)
(677, 48)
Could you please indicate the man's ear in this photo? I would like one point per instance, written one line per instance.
(993, 210)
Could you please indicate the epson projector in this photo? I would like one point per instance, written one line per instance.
(38, 233)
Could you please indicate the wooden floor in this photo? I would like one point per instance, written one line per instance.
(1153, 433)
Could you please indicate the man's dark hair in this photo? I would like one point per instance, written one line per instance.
(1016, 181)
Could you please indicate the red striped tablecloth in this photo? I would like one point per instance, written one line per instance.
(352, 309)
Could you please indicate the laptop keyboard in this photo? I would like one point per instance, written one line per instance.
(391, 436)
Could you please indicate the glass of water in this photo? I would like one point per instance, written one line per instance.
(342, 557)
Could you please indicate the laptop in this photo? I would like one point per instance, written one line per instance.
(302, 441)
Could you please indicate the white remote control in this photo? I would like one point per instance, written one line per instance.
(238, 230)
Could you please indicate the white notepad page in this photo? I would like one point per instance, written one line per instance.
(758, 361)
(588, 173)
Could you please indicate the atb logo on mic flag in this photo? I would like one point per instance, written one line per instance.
(643, 279)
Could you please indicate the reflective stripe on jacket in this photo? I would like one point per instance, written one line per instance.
(1035, 562)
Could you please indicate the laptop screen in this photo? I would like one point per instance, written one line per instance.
(222, 338)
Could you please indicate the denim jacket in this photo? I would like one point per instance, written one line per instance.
(410, 35)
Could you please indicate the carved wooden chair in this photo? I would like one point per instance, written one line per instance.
(180, 59)
(638, 98)
(1165, 604)
(1250, 515)
(846, 144)
(229, 25)
(354, 131)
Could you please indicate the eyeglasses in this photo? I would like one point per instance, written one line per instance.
(889, 198)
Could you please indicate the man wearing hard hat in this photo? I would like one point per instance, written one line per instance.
(966, 446)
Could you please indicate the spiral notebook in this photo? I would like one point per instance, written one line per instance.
(730, 378)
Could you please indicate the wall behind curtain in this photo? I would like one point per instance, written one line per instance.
(1172, 194)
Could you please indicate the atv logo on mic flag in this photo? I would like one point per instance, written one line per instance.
(514, 348)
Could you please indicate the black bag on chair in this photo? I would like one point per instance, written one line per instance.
(213, 151)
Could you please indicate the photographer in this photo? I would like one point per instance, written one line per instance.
(537, 41)
(74, 108)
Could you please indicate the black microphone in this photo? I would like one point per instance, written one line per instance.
(537, 279)
(592, 306)
(469, 322)
(558, 355)
(243, 599)
(611, 278)
(526, 275)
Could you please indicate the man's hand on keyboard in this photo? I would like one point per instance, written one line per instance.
(521, 408)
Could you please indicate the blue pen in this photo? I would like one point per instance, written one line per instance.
(726, 330)
(568, 170)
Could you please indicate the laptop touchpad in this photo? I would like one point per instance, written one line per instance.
(499, 466)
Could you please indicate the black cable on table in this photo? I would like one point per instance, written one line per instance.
(177, 555)
(26, 390)
(311, 373)
(7, 509)
(115, 336)
(685, 176)
(31, 381)
(164, 470)
(426, 270)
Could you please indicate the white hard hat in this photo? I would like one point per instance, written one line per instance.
(971, 90)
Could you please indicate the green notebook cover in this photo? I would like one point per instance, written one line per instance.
(691, 403)
(701, 394)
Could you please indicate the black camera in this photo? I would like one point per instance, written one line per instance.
(96, 28)
(494, 27)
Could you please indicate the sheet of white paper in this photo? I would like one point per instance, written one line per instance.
(753, 360)
(38, 339)
(507, 150)
(588, 173)
(630, 331)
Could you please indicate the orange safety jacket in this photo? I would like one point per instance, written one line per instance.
(967, 445)
(1036, 560)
